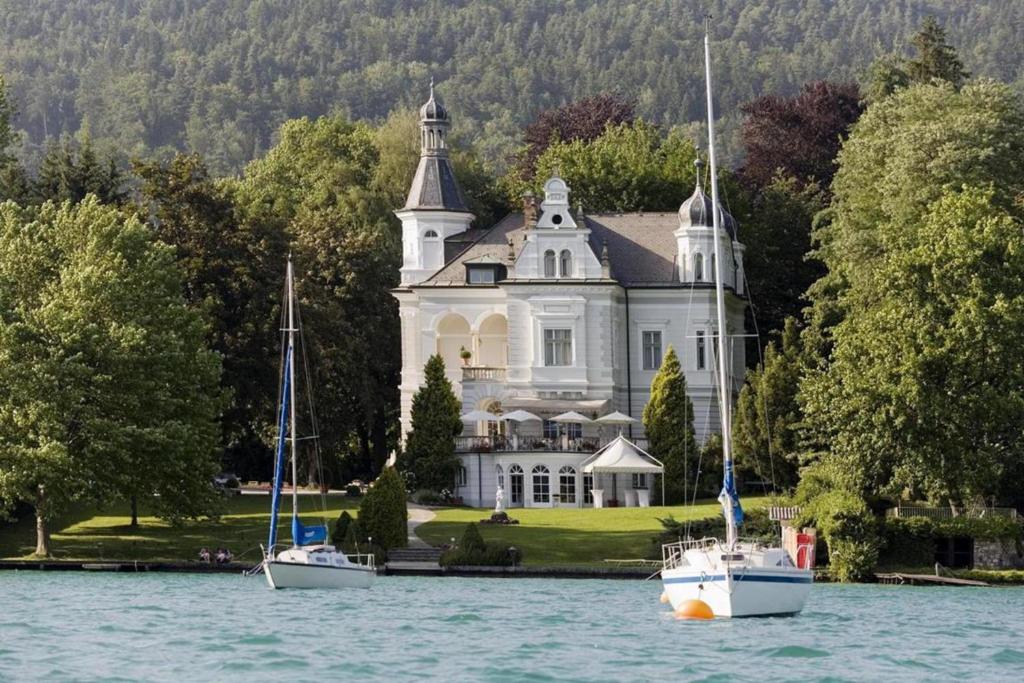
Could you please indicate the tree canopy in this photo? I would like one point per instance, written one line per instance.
(110, 391)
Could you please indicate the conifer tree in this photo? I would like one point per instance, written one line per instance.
(430, 450)
(935, 57)
(668, 421)
(383, 514)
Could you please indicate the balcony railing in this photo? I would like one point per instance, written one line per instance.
(947, 513)
(482, 374)
(528, 444)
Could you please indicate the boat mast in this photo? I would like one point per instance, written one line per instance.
(291, 389)
(724, 394)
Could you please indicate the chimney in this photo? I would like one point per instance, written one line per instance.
(530, 210)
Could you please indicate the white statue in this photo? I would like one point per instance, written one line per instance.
(499, 500)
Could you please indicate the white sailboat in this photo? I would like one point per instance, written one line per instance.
(734, 577)
(309, 562)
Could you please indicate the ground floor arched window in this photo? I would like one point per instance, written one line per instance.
(567, 484)
(541, 484)
(515, 483)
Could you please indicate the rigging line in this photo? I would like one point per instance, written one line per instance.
(767, 420)
(314, 426)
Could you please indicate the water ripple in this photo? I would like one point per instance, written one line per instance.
(153, 627)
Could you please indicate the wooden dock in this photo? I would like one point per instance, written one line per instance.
(900, 579)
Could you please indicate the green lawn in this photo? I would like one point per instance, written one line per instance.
(88, 533)
(572, 535)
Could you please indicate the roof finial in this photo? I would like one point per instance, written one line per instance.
(699, 164)
(431, 86)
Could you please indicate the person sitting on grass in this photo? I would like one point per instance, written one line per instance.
(204, 555)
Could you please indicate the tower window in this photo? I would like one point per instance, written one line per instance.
(698, 268)
(565, 261)
(701, 361)
(557, 219)
(549, 263)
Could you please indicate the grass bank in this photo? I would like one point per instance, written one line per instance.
(572, 536)
(87, 533)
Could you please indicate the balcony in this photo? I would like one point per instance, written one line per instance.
(533, 444)
(483, 374)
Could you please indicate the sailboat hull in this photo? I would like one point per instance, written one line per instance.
(747, 593)
(321, 568)
(748, 580)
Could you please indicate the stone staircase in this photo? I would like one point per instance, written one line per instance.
(414, 560)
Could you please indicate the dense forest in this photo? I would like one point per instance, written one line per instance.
(146, 77)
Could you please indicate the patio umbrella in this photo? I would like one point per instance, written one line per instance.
(616, 418)
(520, 416)
(479, 416)
(571, 416)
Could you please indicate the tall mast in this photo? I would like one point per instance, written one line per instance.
(291, 397)
(724, 393)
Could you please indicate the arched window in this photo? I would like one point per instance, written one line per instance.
(712, 267)
(541, 484)
(500, 474)
(698, 268)
(515, 485)
(431, 138)
(567, 484)
(549, 263)
(430, 234)
(565, 262)
(461, 476)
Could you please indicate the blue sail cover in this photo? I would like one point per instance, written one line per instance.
(279, 458)
(308, 535)
(729, 493)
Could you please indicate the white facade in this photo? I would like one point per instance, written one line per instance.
(561, 311)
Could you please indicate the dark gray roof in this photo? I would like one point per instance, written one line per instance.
(642, 249)
(434, 186)
(475, 245)
(697, 211)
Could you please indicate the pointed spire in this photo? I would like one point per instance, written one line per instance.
(699, 164)
(606, 262)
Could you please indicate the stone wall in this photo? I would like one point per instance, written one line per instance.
(989, 554)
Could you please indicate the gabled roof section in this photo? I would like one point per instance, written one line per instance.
(642, 247)
(489, 246)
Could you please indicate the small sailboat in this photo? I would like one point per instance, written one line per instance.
(734, 577)
(309, 562)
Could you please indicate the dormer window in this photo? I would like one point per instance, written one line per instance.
(565, 263)
(430, 234)
(484, 274)
(549, 263)
(557, 219)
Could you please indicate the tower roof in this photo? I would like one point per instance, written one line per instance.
(696, 211)
(434, 187)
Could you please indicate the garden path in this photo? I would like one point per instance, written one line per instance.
(418, 515)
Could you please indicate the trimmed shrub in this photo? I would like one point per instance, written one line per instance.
(473, 551)
(353, 491)
(341, 527)
(382, 513)
(907, 542)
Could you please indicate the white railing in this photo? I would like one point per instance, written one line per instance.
(674, 554)
(365, 559)
(482, 374)
(948, 513)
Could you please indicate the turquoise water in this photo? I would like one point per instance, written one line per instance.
(165, 627)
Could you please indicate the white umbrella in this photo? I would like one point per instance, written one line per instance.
(616, 418)
(480, 416)
(520, 416)
(571, 416)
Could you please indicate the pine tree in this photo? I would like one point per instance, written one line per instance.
(935, 57)
(668, 421)
(430, 450)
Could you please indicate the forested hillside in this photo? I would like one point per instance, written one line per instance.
(220, 76)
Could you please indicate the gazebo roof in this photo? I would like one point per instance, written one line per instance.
(622, 455)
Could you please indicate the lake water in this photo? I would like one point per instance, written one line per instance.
(169, 627)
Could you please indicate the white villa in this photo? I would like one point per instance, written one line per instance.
(559, 311)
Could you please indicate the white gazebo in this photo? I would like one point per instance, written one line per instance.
(625, 457)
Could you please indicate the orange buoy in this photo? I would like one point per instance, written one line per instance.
(694, 609)
(664, 597)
